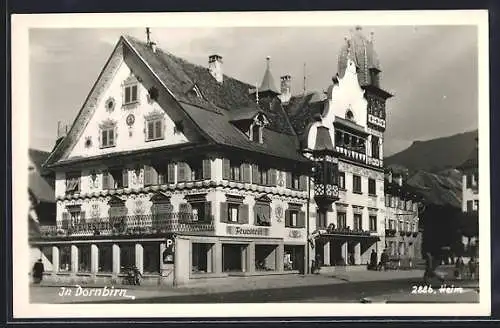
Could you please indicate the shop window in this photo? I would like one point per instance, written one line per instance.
(265, 257)
(127, 256)
(151, 257)
(232, 257)
(341, 220)
(84, 258)
(65, 258)
(73, 180)
(356, 184)
(293, 258)
(373, 223)
(202, 260)
(372, 191)
(358, 223)
(105, 258)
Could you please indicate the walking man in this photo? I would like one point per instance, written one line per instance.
(38, 270)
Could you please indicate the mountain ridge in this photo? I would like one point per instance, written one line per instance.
(435, 155)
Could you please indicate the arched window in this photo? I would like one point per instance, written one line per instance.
(256, 133)
(349, 115)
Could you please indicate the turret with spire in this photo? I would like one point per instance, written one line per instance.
(268, 87)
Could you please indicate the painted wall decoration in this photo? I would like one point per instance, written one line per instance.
(278, 212)
(88, 142)
(130, 119)
(110, 104)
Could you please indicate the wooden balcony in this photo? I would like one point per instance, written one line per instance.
(131, 225)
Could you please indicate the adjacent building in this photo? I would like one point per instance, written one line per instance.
(403, 240)
(470, 202)
(188, 173)
(42, 202)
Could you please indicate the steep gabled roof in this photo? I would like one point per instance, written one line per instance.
(213, 112)
(302, 110)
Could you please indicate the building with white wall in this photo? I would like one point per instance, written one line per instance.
(242, 180)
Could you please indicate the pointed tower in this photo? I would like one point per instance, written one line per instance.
(268, 87)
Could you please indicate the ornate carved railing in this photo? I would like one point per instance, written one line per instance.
(131, 225)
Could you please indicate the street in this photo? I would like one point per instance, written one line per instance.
(318, 289)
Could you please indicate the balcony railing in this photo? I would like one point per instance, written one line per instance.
(131, 225)
(347, 231)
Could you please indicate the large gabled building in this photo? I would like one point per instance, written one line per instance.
(188, 173)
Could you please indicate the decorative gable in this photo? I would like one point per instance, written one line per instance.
(127, 115)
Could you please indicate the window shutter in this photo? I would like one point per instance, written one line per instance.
(65, 220)
(105, 180)
(226, 169)
(125, 178)
(245, 172)
(303, 182)
(287, 218)
(206, 169)
(181, 172)
(289, 180)
(243, 214)
(272, 177)
(255, 174)
(171, 173)
(185, 212)
(188, 172)
(82, 217)
(301, 219)
(208, 211)
(223, 212)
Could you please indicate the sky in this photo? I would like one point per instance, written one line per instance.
(431, 70)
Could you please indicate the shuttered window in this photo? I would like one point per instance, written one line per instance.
(207, 164)
(356, 184)
(245, 172)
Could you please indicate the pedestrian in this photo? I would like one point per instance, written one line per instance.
(137, 275)
(373, 260)
(318, 262)
(459, 268)
(472, 267)
(38, 270)
(384, 259)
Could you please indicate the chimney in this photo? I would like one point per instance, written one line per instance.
(215, 67)
(153, 46)
(62, 130)
(286, 88)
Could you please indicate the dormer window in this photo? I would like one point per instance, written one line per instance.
(256, 133)
(195, 92)
(257, 128)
